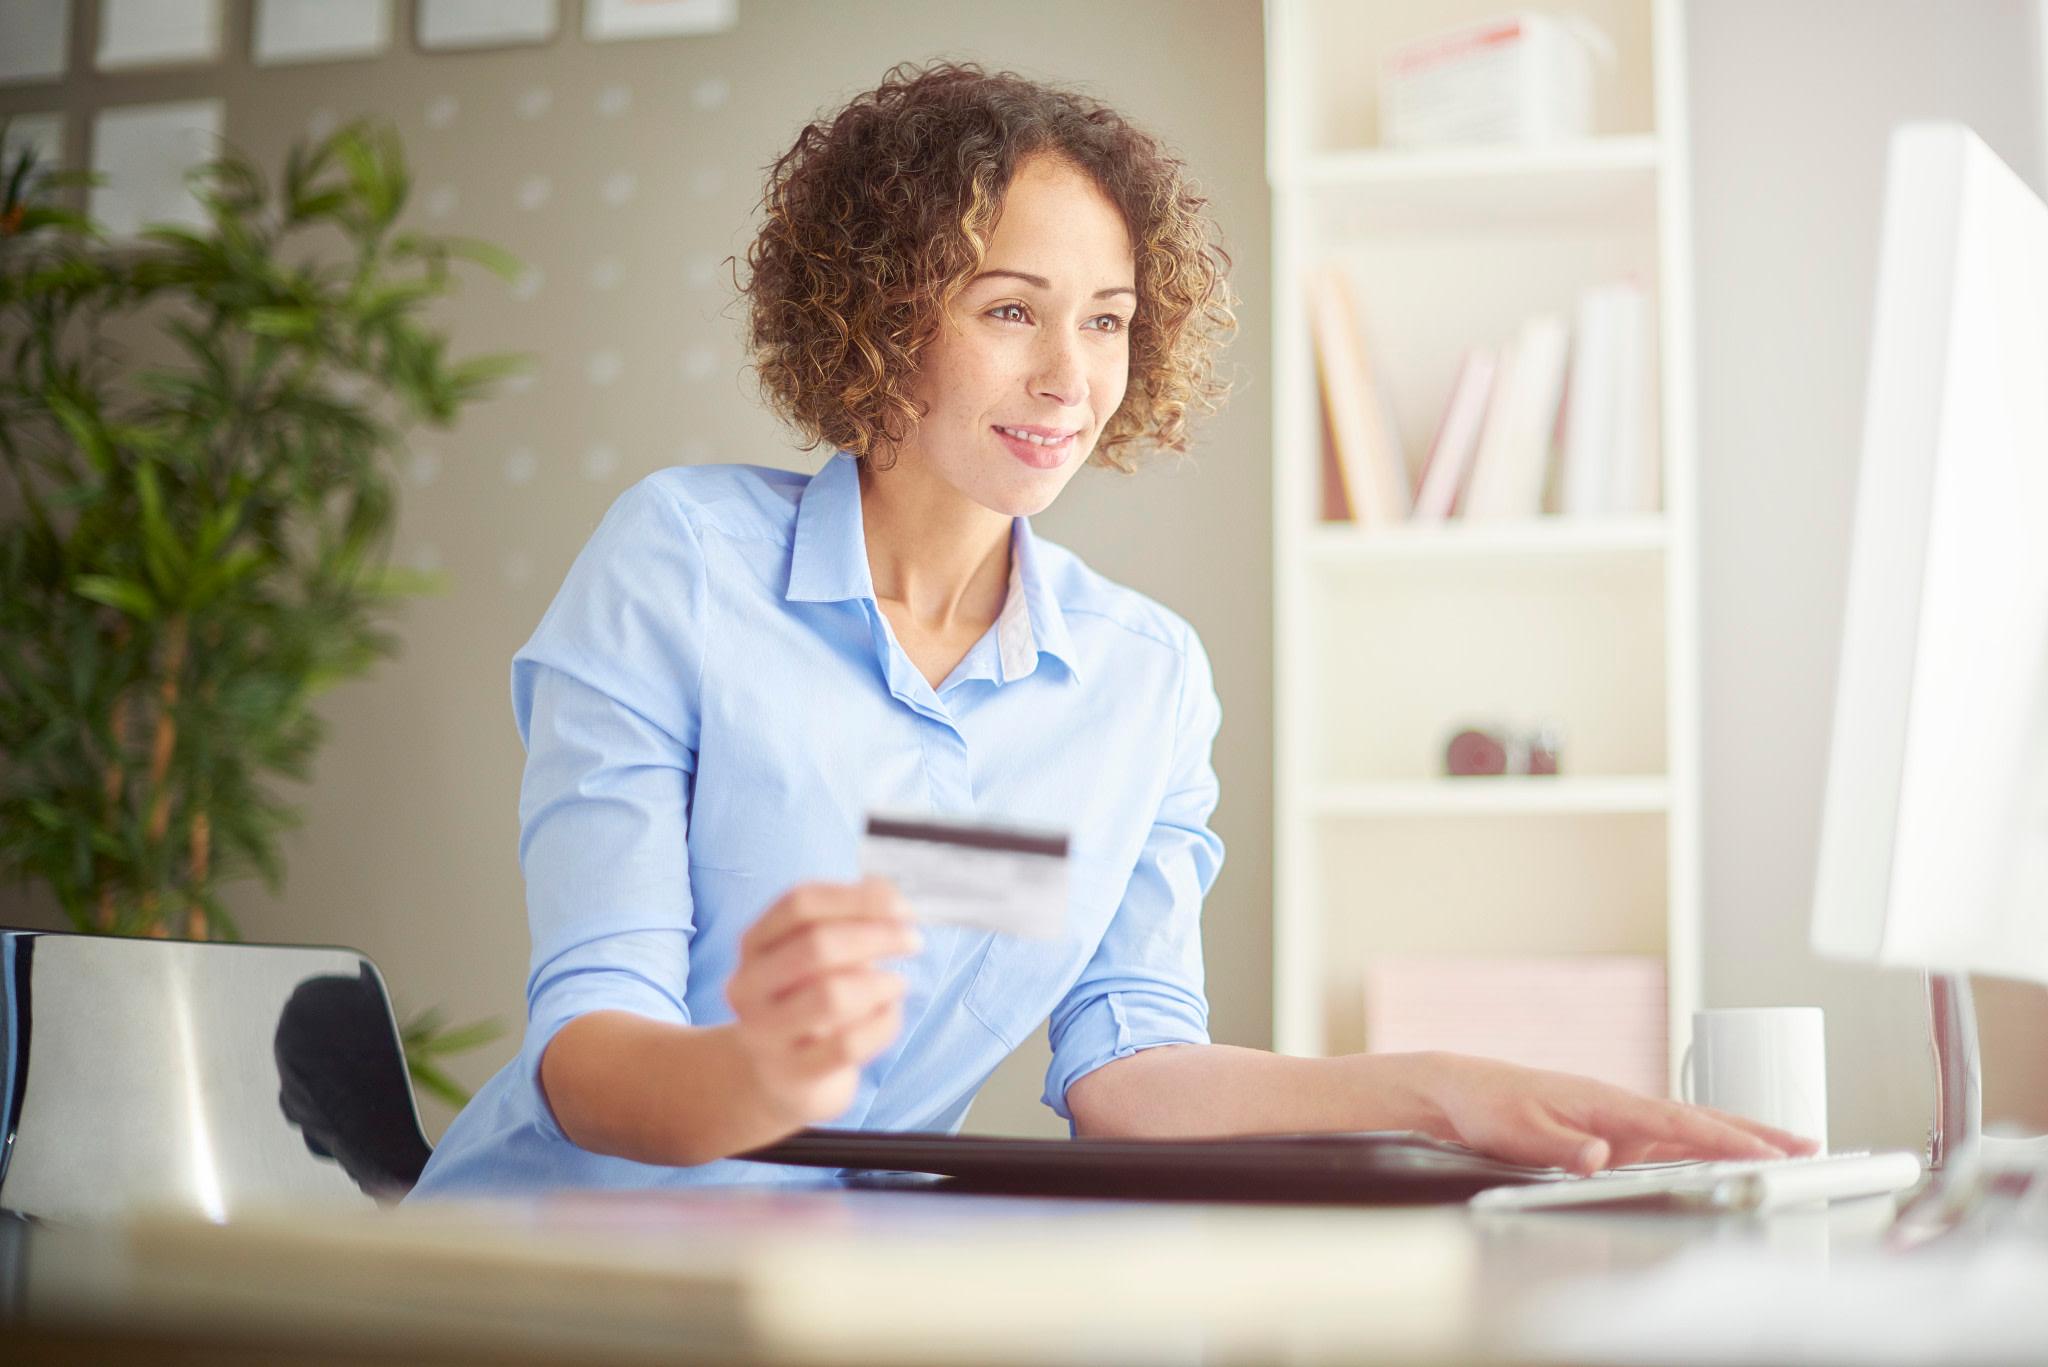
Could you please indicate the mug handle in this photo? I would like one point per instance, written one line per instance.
(1685, 1074)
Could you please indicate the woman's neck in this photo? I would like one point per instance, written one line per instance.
(935, 554)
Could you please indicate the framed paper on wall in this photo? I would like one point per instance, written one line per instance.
(43, 133)
(34, 39)
(144, 150)
(608, 20)
(486, 23)
(290, 31)
(138, 33)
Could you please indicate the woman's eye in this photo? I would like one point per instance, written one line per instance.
(1115, 321)
(1004, 308)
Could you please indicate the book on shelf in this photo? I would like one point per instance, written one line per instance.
(1513, 460)
(1611, 458)
(1449, 461)
(1598, 1015)
(1363, 437)
(1335, 503)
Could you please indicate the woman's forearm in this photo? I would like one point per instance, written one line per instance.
(654, 1091)
(1222, 1089)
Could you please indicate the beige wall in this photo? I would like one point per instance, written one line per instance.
(409, 847)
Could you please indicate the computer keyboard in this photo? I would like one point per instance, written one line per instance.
(1753, 1184)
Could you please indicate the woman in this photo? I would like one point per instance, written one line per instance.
(969, 285)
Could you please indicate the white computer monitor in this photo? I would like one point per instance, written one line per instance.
(1934, 836)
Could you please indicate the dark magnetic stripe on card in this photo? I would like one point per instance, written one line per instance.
(972, 838)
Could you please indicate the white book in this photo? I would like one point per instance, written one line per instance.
(1514, 451)
(1589, 410)
(1457, 437)
(1479, 496)
(1634, 485)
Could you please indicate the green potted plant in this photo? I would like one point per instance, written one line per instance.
(194, 548)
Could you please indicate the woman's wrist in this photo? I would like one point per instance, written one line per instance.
(756, 1092)
(1401, 1090)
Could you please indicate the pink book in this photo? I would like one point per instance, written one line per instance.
(1457, 437)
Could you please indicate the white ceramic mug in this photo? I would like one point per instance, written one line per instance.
(1766, 1063)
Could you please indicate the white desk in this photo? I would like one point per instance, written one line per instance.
(905, 1277)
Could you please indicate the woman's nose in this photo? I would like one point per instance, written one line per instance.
(1061, 374)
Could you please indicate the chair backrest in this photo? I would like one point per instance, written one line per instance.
(197, 1075)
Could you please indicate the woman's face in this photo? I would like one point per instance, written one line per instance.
(1038, 343)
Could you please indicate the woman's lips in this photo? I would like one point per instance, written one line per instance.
(1032, 454)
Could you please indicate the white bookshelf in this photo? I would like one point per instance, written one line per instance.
(1388, 640)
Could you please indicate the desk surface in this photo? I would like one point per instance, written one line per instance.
(829, 1274)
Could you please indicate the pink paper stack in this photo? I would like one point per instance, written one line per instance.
(1601, 1015)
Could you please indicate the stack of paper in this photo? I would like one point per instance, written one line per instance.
(1599, 1015)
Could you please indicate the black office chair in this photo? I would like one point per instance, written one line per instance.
(204, 1076)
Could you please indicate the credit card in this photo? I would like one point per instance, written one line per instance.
(989, 875)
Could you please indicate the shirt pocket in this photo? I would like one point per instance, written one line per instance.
(1019, 980)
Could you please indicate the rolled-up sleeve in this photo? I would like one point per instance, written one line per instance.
(606, 698)
(1142, 987)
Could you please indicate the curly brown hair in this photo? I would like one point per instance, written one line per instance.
(877, 217)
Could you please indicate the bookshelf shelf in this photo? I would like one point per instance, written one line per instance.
(1485, 166)
(1563, 795)
(1598, 180)
(1388, 640)
(1342, 544)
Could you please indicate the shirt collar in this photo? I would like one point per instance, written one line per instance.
(828, 563)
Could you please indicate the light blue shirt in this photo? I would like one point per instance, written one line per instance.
(710, 707)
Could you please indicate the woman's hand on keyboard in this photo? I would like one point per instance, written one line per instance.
(1553, 1119)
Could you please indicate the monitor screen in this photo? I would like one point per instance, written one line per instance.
(1934, 837)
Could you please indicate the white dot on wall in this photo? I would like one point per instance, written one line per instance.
(694, 452)
(605, 273)
(441, 201)
(534, 191)
(614, 100)
(425, 467)
(517, 567)
(703, 271)
(528, 283)
(710, 93)
(425, 557)
(604, 366)
(535, 101)
(706, 181)
(521, 465)
(599, 462)
(620, 187)
(321, 122)
(517, 384)
(441, 111)
(698, 362)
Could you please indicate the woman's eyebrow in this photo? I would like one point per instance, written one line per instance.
(1042, 283)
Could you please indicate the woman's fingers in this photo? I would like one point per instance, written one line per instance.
(1539, 1139)
(828, 946)
(1784, 1139)
(827, 1004)
(854, 1043)
(809, 904)
(1695, 1132)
